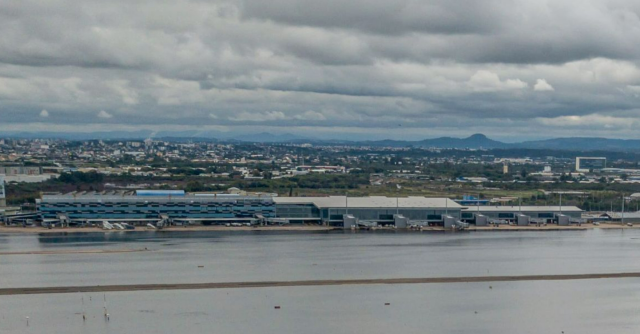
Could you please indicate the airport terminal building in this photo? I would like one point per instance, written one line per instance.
(522, 215)
(177, 207)
(152, 206)
(332, 210)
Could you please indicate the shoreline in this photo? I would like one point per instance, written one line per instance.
(553, 227)
(42, 230)
(80, 251)
(18, 230)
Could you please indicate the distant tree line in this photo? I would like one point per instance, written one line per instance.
(80, 177)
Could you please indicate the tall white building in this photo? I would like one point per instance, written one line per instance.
(585, 164)
(2, 193)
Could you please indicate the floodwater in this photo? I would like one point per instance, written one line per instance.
(584, 306)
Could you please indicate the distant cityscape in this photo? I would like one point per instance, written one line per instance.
(39, 169)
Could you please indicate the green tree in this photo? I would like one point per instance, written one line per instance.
(194, 186)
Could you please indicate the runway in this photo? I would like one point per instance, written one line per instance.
(265, 284)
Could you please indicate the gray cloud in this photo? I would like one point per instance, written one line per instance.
(329, 68)
(383, 17)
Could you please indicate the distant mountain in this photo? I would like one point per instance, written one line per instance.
(266, 137)
(475, 141)
(582, 144)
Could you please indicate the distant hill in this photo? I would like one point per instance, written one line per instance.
(583, 144)
(266, 137)
(476, 141)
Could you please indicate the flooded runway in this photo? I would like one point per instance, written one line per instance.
(238, 285)
(322, 282)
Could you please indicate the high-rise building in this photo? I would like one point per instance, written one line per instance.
(2, 193)
(585, 164)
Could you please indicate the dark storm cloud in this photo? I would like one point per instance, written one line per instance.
(330, 67)
(471, 31)
(383, 17)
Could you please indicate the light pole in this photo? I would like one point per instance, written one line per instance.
(560, 206)
(622, 213)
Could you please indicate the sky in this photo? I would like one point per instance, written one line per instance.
(359, 69)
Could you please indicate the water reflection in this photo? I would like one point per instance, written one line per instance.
(512, 307)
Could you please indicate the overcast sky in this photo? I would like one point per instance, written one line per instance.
(402, 69)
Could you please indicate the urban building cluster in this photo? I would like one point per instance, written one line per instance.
(145, 162)
(263, 160)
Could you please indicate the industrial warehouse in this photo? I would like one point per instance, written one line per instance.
(175, 207)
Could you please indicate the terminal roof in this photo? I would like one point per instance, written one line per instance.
(370, 202)
(516, 208)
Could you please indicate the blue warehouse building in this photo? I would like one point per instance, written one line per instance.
(151, 207)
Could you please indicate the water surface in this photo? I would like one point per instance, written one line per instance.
(589, 306)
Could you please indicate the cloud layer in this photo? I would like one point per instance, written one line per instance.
(323, 68)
